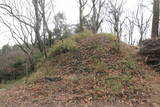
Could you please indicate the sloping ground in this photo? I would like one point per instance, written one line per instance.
(88, 72)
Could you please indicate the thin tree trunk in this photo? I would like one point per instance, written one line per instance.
(41, 45)
(81, 16)
(94, 17)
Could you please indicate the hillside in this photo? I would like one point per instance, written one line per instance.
(87, 69)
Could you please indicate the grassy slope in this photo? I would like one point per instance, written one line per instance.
(91, 69)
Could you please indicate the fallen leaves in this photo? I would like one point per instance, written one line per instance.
(94, 74)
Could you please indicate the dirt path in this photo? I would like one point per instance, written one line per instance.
(154, 82)
(2, 93)
(155, 97)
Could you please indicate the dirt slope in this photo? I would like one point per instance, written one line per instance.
(93, 75)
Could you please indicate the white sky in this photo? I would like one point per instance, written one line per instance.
(70, 8)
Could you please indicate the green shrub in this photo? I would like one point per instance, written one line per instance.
(18, 64)
(63, 47)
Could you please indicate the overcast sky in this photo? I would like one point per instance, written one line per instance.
(70, 8)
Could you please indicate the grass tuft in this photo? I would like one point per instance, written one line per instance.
(64, 46)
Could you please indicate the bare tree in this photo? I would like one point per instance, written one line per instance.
(141, 22)
(130, 29)
(82, 5)
(60, 25)
(94, 18)
(37, 25)
(22, 41)
(97, 14)
(28, 28)
(37, 21)
(115, 17)
(46, 30)
(155, 21)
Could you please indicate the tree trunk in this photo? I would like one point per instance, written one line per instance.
(81, 16)
(41, 45)
(155, 21)
(94, 16)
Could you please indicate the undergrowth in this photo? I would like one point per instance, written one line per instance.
(63, 47)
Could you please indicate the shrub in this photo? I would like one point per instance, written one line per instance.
(63, 47)
(18, 63)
